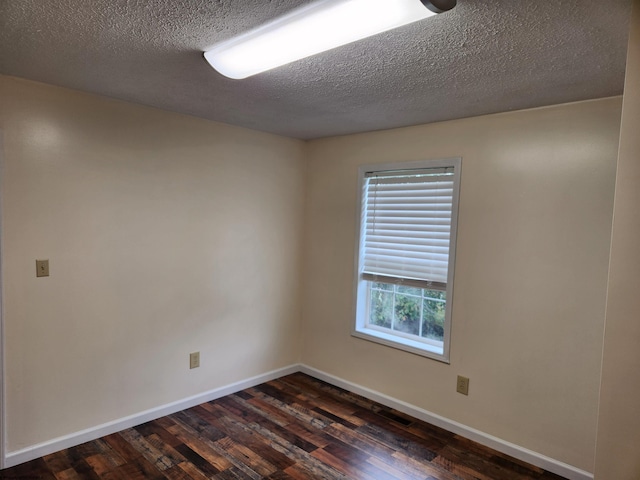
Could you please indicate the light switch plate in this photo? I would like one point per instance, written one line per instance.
(42, 268)
(194, 360)
(463, 385)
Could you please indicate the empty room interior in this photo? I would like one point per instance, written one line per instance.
(154, 207)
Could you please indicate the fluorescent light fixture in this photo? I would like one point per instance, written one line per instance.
(314, 28)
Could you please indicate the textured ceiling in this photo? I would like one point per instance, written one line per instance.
(482, 57)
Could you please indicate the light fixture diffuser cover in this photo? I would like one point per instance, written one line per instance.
(315, 28)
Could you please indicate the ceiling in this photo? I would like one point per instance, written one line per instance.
(482, 57)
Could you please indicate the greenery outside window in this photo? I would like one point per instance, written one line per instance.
(406, 251)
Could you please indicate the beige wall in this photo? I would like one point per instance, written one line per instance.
(166, 234)
(169, 234)
(618, 448)
(530, 280)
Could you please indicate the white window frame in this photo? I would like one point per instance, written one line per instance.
(423, 347)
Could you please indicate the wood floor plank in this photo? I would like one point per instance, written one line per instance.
(176, 473)
(261, 409)
(307, 432)
(328, 410)
(203, 446)
(215, 452)
(241, 434)
(292, 432)
(194, 472)
(357, 462)
(68, 474)
(202, 428)
(196, 461)
(111, 455)
(297, 473)
(397, 434)
(58, 462)
(334, 392)
(167, 450)
(247, 457)
(135, 471)
(352, 472)
(462, 461)
(402, 462)
(299, 412)
(148, 451)
(302, 459)
(279, 476)
(36, 469)
(497, 458)
(340, 409)
(79, 463)
(103, 467)
(283, 427)
(292, 428)
(154, 428)
(121, 447)
(394, 472)
(357, 440)
(398, 442)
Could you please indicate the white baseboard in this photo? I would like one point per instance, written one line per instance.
(534, 458)
(36, 451)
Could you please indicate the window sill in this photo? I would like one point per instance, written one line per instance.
(406, 344)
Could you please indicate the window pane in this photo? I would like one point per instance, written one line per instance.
(382, 286)
(433, 310)
(435, 294)
(381, 311)
(407, 310)
(410, 290)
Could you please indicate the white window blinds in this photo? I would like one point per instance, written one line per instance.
(407, 222)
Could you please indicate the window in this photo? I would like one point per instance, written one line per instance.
(406, 250)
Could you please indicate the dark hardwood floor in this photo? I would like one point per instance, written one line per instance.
(295, 427)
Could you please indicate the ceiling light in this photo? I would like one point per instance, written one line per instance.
(314, 28)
